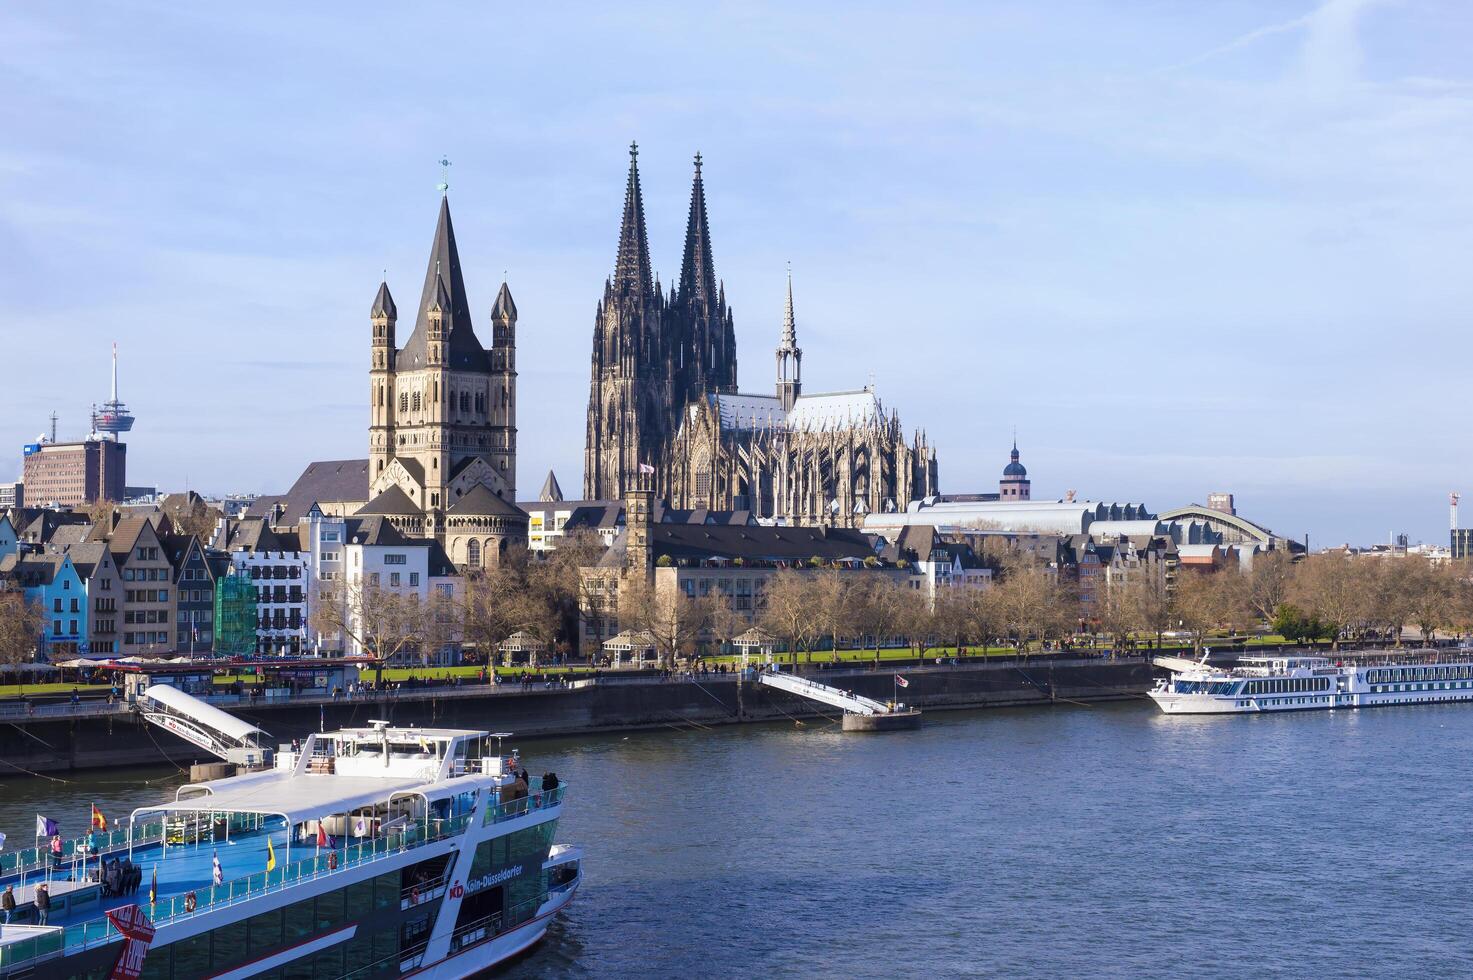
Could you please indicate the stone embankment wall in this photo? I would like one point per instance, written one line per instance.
(54, 744)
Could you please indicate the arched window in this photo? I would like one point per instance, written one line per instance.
(473, 553)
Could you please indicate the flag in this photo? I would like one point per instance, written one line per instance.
(153, 886)
(219, 873)
(270, 856)
(901, 681)
(45, 826)
(360, 829)
(646, 469)
(99, 822)
(322, 839)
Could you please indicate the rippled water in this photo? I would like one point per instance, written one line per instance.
(1055, 842)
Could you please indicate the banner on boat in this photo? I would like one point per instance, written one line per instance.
(137, 934)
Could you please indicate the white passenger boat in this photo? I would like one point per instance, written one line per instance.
(368, 852)
(1286, 682)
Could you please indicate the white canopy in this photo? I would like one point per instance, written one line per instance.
(305, 797)
(202, 712)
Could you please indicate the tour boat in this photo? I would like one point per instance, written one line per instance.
(382, 851)
(1287, 682)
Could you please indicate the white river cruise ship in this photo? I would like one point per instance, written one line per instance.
(381, 851)
(1287, 682)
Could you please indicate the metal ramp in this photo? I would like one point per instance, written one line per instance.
(202, 723)
(849, 702)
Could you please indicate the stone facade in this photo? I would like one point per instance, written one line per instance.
(443, 415)
(663, 398)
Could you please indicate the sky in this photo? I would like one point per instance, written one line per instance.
(1179, 247)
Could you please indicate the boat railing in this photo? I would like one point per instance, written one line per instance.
(37, 858)
(214, 897)
(536, 799)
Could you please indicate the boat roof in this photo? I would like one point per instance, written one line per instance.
(302, 797)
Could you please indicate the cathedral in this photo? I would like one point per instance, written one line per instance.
(443, 415)
(663, 397)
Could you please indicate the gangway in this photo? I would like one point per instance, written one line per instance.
(205, 725)
(860, 713)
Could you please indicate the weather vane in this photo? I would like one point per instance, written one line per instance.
(444, 184)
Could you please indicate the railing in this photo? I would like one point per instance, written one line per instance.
(231, 892)
(536, 799)
(412, 956)
(37, 858)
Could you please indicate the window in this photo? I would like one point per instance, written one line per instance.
(414, 578)
(394, 579)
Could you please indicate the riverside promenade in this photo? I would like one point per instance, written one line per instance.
(49, 738)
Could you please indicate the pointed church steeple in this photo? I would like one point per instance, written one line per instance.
(632, 269)
(383, 304)
(504, 309)
(697, 270)
(464, 350)
(789, 355)
(551, 492)
(790, 325)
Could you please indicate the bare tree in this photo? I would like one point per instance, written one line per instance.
(382, 622)
(1334, 589)
(1205, 601)
(669, 616)
(913, 618)
(1268, 582)
(723, 622)
(789, 613)
(877, 609)
(1149, 599)
(21, 623)
(1119, 613)
(1433, 593)
(493, 605)
(834, 599)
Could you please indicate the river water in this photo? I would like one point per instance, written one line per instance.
(1067, 841)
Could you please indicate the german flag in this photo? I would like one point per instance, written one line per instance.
(99, 822)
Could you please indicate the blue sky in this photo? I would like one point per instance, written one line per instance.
(1181, 246)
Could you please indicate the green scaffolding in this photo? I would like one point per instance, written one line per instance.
(235, 614)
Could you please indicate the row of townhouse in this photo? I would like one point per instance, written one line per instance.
(328, 558)
(132, 586)
(125, 587)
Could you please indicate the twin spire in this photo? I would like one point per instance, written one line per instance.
(632, 269)
(697, 284)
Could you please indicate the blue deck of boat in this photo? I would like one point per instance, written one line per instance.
(181, 869)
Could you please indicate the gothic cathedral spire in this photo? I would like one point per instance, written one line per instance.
(702, 336)
(632, 268)
(630, 404)
(789, 356)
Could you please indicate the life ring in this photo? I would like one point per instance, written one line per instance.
(190, 902)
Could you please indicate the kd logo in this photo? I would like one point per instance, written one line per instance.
(457, 891)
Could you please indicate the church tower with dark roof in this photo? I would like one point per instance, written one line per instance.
(443, 407)
(1014, 484)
